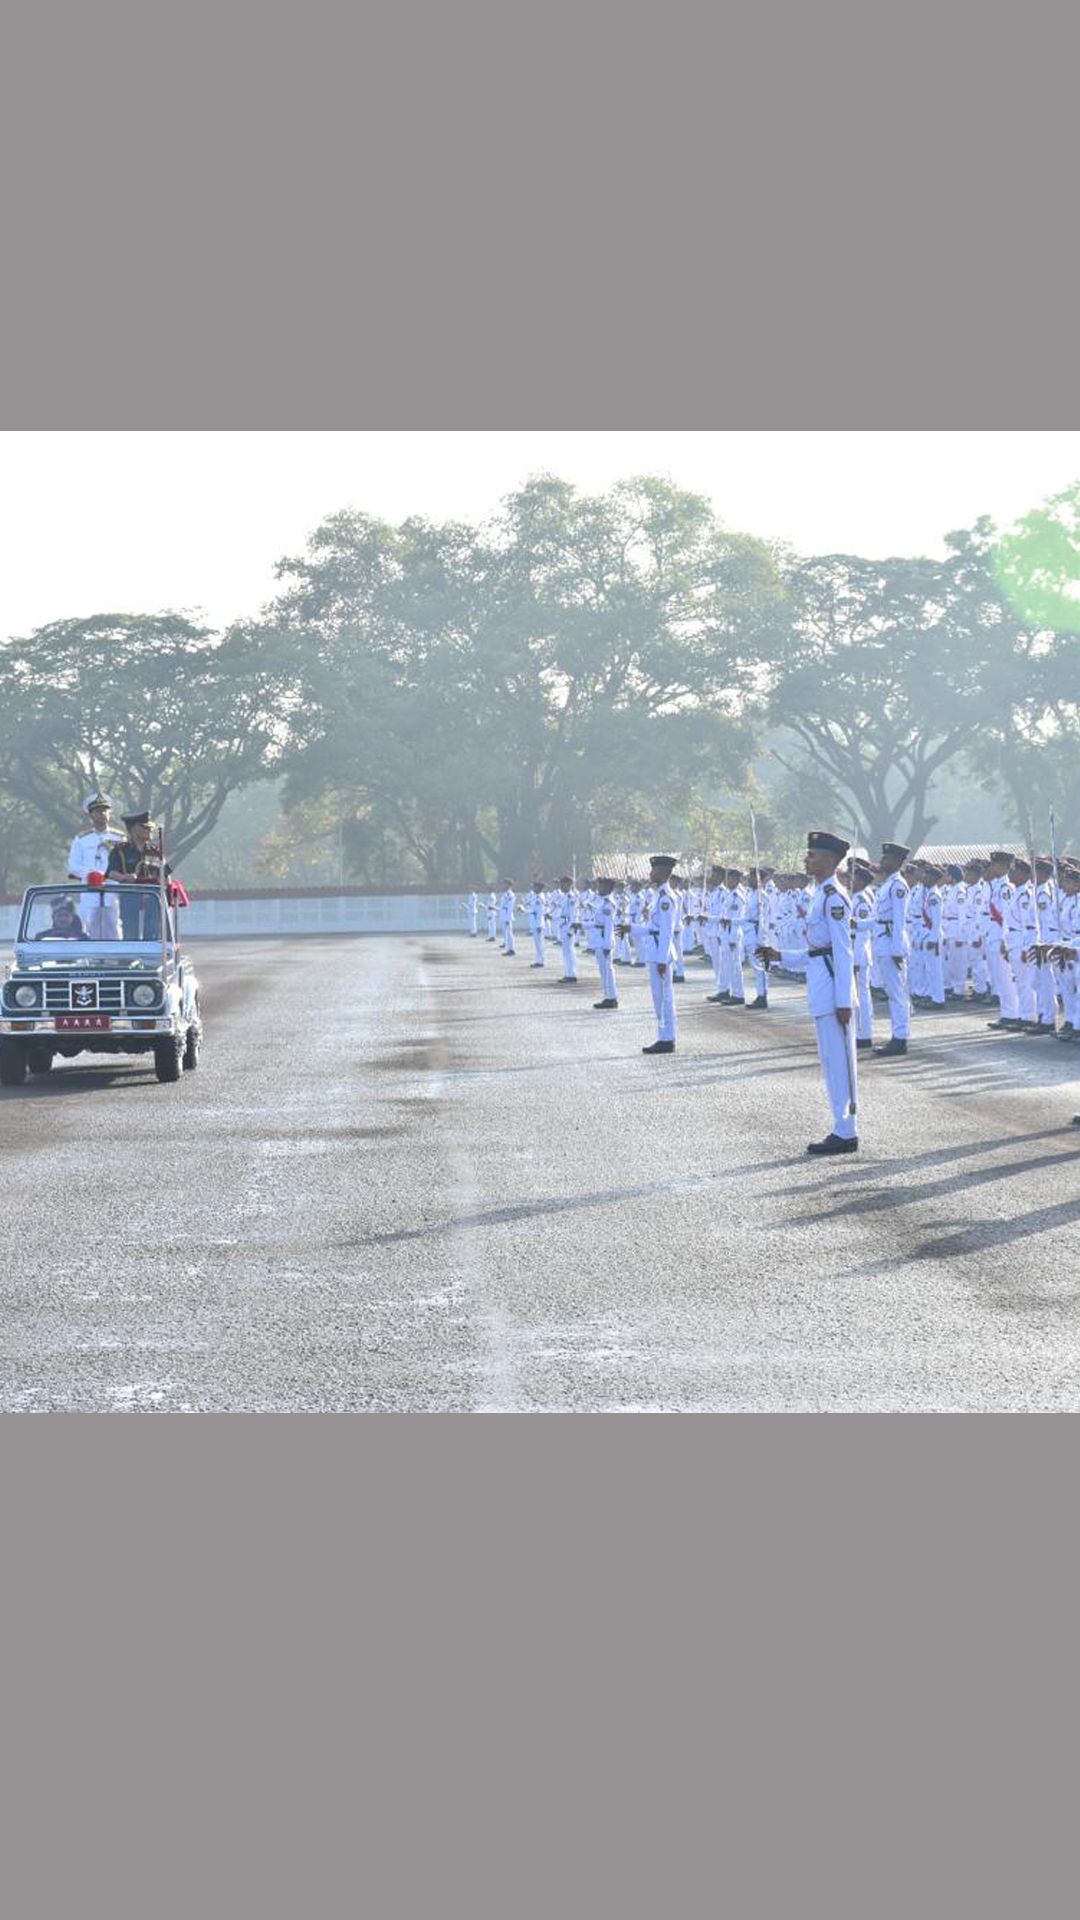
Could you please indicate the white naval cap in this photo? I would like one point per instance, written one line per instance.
(96, 800)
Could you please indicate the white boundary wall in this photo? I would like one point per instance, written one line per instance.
(290, 914)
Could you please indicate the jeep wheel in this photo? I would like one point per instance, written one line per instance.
(167, 1057)
(191, 1048)
(12, 1063)
(39, 1060)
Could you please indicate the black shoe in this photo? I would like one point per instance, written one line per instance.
(1067, 1032)
(660, 1046)
(738, 1003)
(567, 980)
(678, 979)
(1075, 1120)
(891, 1049)
(599, 1006)
(1042, 1028)
(864, 1043)
(761, 1003)
(725, 996)
(833, 1144)
(714, 997)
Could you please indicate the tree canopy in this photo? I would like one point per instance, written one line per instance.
(446, 702)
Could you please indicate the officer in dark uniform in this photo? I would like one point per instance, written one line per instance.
(135, 859)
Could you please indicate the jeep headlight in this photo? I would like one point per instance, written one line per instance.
(144, 995)
(27, 996)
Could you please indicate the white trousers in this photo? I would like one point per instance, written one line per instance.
(836, 1051)
(1024, 975)
(607, 974)
(569, 957)
(864, 1018)
(538, 945)
(894, 979)
(663, 1001)
(1002, 980)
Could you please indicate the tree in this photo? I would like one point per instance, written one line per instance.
(159, 712)
(882, 672)
(1037, 564)
(491, 694)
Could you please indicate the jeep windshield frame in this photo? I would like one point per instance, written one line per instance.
(108, 909)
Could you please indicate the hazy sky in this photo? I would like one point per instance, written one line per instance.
(136, 522)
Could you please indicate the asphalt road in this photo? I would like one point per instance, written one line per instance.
(410, 1174)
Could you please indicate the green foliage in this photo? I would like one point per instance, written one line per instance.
(159, 712)
(1037, 565)
(490, 695)
(883, 672)
(445, 703)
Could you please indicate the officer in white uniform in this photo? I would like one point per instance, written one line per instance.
(602, 938)
(492, 911)
(660, 950)
(472, 908)
(830, 985)
(90, 852)
(891, 945)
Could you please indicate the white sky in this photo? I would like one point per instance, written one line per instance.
(137, 522)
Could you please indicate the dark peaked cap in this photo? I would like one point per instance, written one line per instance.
(891, 849)
(670, 860)
(818, 842)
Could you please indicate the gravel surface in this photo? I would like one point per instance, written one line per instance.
(411, 1174)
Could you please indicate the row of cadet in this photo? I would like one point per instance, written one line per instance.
(993, 932)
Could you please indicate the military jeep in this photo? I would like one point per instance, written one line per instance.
(98, 969)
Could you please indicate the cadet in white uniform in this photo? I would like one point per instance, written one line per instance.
(863, 910)
(891, 945)
(566, 922)
(998, 905)
(830, 987)
(492, 911)
(507, 910)
(603, 940)
(472, 908)
(660, 949)
(535, 908)
(1046, 902)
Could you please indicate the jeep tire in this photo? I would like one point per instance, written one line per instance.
(12, 1063)
(167, 1057)
(191, 1047)
(39, 1060)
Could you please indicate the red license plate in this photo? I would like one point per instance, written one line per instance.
(84, 1022)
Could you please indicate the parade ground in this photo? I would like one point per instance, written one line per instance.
(410, 1174)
